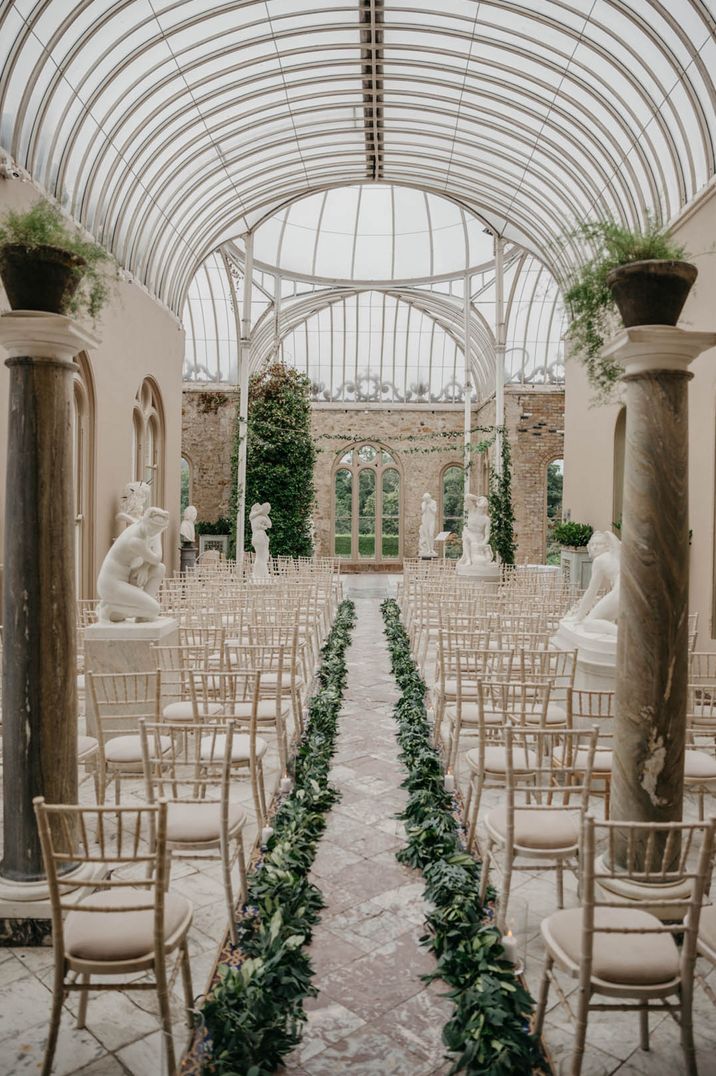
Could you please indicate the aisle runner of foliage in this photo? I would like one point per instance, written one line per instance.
(253, 1016)
(489, 1029)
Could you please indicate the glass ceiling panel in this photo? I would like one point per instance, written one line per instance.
(532, 114)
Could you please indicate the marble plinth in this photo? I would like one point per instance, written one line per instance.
(26, 911)
(596, 654)
(488, 571)
(125, 647)
(187, 557)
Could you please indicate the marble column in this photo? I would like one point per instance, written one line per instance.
(652, 649)
(39, 653)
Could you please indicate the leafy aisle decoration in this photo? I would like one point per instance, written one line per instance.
(280, 458)
(254, 1014)
(502, 515)
(489, 1029)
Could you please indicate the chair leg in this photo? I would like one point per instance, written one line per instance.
(580, 1033)
(58, 996)
(485, 871)
(687, 1024)
(644, 1025)
(186, 981)
(228, 893)
(241, 857)
(560, 884)
(504, 898)
(543, 995)
(165, 1017)
(84, 998)
(262, 791)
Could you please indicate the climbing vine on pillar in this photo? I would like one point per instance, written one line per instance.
(502, 516)
(280, 458)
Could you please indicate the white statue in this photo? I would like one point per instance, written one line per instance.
(260, 524)
(135, 501)
(132, 572)
(476, 549)
(600, 616)
(186, 529)
(426, 537)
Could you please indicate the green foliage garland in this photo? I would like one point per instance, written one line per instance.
(502, 516)
(280, 459)
(254, 1014)
(489, 1030)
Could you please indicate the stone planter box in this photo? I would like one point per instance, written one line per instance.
(576, 566)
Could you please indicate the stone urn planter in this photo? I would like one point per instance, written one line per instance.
(651, 292)
(40, 278)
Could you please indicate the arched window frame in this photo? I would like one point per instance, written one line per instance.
(148, 432)
(379, 468)
(441, 500)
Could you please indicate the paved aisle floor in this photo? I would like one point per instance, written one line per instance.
(373, 1016)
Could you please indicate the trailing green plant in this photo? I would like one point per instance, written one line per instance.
(44, 225)
(489, 1030)
(592, 310)
(573, 535)
(502, 515)
(280, 458)
(254, 1014)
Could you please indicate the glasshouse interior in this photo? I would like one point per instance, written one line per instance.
(358, 570)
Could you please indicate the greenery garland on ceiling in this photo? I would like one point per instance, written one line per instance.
(254, 1014)
(280, 457)
(489, 1029)
(410, 443)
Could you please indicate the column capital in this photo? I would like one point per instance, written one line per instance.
(650, 348)
(40, 335)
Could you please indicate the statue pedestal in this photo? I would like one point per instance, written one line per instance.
(428, 556)
(187, 557)
(596, 654)
(125, 647)
(489, 571)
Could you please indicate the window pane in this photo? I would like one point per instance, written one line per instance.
(390, 544)
(343, 513)
(366, 513)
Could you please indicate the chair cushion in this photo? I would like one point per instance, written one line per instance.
(496, 760)
(699, 766)
(707, 927)
(86, 747)
(633, 959)
(198, 823)
(469, 688)
(470, 715)
(540, 830)
(184, 711)
(129, 748)
(213, 747)
(121, 935)
(265, 710)
(602, 760)
(556, 715)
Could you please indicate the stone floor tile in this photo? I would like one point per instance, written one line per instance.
(22, 1054)
(328, 1023)
(416, 1025)
(367, 1052)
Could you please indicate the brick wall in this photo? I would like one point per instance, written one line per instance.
(535, 421)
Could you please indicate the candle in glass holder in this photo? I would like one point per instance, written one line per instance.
(266, 834)
(509, 945)
(449, 782)
(286, 783)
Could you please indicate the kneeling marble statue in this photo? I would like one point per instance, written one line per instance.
(476, 548)
(132, 572)
(601, 615)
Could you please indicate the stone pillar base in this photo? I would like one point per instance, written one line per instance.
(25, 909)
(627, 890)
(187, 557)
(489, 571)
(596, 655)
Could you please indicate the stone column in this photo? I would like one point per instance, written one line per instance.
(652, 649)
(39, 659)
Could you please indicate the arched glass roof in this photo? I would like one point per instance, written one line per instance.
(372, 232)
(170, 126)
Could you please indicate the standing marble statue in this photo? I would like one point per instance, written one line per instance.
(476, 549)
(186, 530)
(600, 615)
(132, 572)
(260, 524)
(428, 522)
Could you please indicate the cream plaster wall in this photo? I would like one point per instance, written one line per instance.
(140, 339)
(589, 430)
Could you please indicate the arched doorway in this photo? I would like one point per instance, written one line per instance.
(367, 502)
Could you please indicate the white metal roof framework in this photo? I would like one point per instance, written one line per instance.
(169, 127)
